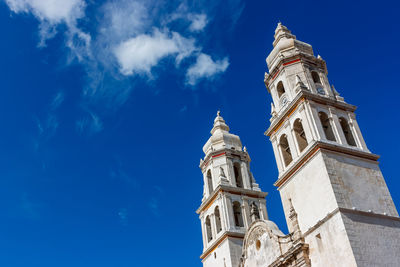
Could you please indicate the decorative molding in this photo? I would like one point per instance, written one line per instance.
(304, 96)
(231, 190)
(219, 241)
(317, 146)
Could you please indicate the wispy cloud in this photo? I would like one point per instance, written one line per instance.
(29, 208)
(57, 100)
(123, 216)
(52, 13)
(199, 22)
(90, 124)
(153, 204)
(205, 67)
(47, 125)
(183, 109)
(123, 176)
(121, 41)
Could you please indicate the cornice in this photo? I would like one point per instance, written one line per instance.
(299, 57)
(300, 97)
(349, 211)
(321, 146)
(229, 153)
(219, 241)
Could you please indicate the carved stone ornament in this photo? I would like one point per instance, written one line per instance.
(222, 172)
(256, 234)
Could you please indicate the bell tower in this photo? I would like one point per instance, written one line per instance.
(231, 197)
(326, 172)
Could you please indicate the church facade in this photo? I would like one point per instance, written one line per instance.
(337, 206)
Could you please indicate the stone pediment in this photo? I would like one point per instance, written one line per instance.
(265, 245)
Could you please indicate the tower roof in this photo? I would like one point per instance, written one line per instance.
(219, 123)
(221, 137)
(286, 45)
(282, 31)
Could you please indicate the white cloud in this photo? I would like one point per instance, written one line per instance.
(141, 53)
(205, 67)
(199, 22)
(53, 11)
(50, 13)
(119, 39)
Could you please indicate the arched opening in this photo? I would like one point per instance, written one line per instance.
(238, 175)
(347, 132)
(218, 219)
(285, 150)
(318, 84)
(315, 77)
(326, 125)
(209, 182)
(254, 212)
(237, 214)
(280, 89)
(208, 229)
(300, 135)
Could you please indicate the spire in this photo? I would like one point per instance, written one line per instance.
(273, 111)
(295, 223)
(299, 84)
(219, 124)
(282, 31)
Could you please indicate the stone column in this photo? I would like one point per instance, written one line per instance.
(278, 158)
(337, 128)
(291, 141)
(203, 230)
(213, 226)
(305, 122)
(246, 213)
(296, 145)
(232, 177)
(318, 132)
(263, 209)
(245, 175)
(355, 129)
(229, 213)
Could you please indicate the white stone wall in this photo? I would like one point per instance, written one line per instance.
(329, 181)
(359, 184)
(375, 241)
(329, 244)
(311, 193)
(227, 254)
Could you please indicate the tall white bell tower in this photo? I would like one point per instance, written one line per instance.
(231, 197)
(345, 211)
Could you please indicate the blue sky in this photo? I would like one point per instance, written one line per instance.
(105, 107)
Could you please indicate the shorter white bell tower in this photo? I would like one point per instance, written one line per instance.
(231, 198)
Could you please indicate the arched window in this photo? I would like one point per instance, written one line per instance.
(285, 150)
(318, 84)
(300, 135)
(209, 181)
(208, 229)
(280, 88)
(326, 125)
(347, 132)
(238, 175)
(218, 219)
(315, 77)
(237, 214)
